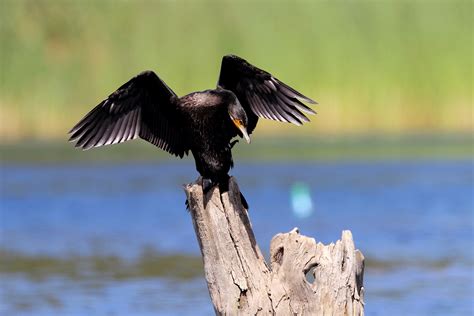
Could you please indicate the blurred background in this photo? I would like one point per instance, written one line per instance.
(389, 155)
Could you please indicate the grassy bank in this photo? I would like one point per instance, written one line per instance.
(262, 148)
(374, 66)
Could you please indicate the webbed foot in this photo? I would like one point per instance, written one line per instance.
(232, 143)
(207, 185)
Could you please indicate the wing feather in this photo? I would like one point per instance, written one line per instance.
(143, 107)
(261, 94)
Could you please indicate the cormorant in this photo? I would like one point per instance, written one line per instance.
(201, 122)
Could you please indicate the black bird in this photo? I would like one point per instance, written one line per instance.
(201, 122)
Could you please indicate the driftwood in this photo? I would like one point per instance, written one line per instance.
(241, 282)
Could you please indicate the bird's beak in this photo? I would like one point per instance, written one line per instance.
(242, 129)
(246, 135)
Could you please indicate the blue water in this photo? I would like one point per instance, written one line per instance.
(413, 220)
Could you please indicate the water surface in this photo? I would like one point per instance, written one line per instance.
(102, 239)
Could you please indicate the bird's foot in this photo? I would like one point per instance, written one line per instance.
(232, 143)
(207, 185)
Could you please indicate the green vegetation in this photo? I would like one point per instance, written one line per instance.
(149, 264)
(374, 66)
(262, 148)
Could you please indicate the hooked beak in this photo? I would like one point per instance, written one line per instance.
(243, 130)
(246, 135)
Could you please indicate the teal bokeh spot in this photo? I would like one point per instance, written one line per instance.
(301, 202)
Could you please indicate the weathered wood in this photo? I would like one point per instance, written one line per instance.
(240, 281)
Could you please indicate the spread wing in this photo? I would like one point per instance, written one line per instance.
(143, 107)
(261, 94)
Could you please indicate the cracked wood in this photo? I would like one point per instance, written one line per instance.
(240, 281)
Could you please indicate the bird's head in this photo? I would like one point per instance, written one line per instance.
(239, 118)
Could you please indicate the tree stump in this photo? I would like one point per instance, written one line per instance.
(241, 282)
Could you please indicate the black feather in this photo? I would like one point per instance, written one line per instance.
(119, 118)
(199, 122)
(261, 94)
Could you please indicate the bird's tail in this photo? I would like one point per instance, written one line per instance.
(224, 187)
